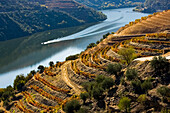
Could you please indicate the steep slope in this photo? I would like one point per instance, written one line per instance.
(51, 89)
(158, 22)
(74, 9)
(21, 18)
(151, 6)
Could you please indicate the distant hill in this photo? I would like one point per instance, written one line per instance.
(21, 18)
(151, 6)
(158, 22)
(108, 4)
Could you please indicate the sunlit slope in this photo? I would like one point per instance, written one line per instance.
(158, 22)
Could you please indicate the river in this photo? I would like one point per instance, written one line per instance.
(22, 55)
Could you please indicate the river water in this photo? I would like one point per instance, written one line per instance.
(20, 56)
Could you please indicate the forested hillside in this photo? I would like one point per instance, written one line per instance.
(21, 18)
(151, 6)
(108, 4)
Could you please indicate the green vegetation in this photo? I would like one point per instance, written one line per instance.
(82, 110)
(146, 85)
(84, 96)
(51, 63)
(105, 36)
(72, 57)
(91, 45)
(139, 87)
(131, 74)
(164, 91)
(72, 106)
(142, 99)
(41, 68)
(28, 16)
(6, 95)
(160, 65)
(124, 104)
(21, 80)
(114, 68)
(96, 88)
(128, 54)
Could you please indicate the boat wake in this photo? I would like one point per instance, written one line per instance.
(93, 30)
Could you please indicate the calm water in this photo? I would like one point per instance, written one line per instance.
(20, 56)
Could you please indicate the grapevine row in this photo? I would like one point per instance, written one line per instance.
(37, 77)
(44, 93)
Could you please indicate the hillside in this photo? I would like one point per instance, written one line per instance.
(20, 18)
(110, 4)
(103, 78)
(158, 22)
(151, 6)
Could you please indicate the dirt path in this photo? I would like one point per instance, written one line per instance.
(66, 79)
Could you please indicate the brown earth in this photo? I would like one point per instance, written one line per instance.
(157, 23)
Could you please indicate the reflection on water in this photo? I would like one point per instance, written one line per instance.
(25, 54)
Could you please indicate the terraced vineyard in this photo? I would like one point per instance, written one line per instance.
(157, 22)
(50, 90)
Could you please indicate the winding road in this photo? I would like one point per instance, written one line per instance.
(75, 87)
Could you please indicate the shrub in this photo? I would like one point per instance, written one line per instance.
(165, 110)
(41, 68)
(131, 74)
(33, 72)
(100, 78)
(124, 104)
(84, 96)
(97, 42)
(82, 110)
(105, 36)
(97, 92)
(51, 63)
(146, 85)
(72, 57)
(19, 82)
(114, 68)
(91, 45)
(6, 95)
(160, 65)
(164, 91)
(142, 99)
(137, 86)
(72, 106)
(107, 83)
(122, 81)
(128, 54)
(28, 77)
(88, 86)
(96, 88)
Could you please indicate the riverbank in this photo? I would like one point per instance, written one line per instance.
(23, 56)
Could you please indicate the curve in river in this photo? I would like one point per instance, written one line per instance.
(59, 49)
